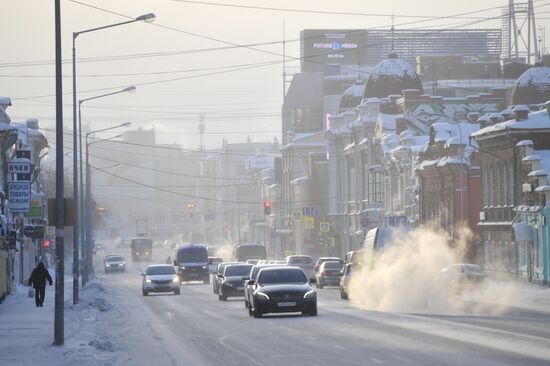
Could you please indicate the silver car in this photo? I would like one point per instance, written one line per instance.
(114, 262)
(160, 278)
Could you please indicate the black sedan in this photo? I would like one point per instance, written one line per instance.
(282, 290)
(232, 280)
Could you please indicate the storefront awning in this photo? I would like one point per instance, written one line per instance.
(522, 232)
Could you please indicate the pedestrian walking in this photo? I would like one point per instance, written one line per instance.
(37, 280)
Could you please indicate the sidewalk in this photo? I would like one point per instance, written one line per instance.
(27, 332)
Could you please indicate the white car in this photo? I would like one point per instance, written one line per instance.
(160, 278)
(114, 262)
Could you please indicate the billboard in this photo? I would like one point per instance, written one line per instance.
(326, 50)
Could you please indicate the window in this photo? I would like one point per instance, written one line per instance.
(297, 116)
(376, 188)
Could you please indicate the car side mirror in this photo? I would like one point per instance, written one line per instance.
(250, 282)
(341, 273)
(175, 263)
(220, 276)
(143, 275)
(312, 280)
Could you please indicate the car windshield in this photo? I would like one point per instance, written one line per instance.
(237, 270)
(161, 270)
(300, 260)
(192, 255)
(332, 265)
(114, 259)
(282, 276)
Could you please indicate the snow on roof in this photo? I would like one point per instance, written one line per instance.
(444, 131)
(393, 67)
(542, 189)
(531, 158)
(535, 75)
(544, 159)
(536, 121)
(525, 143)
(538, 173)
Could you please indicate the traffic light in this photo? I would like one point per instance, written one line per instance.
(47, 243)
(101, 211)
(267, 207)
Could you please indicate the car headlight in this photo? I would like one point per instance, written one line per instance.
(147, 280)
(262, 295)
(146, 253)
(137, 253)
(229, 284)
(107, 265)
(176, 279)
(182, 267)
(204, 267)
(310, 294)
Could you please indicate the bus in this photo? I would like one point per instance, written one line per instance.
(192, 263)
(246, 251)
(142, 248)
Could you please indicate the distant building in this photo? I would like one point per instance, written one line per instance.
(533, 86)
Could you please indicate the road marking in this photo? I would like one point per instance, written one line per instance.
(375, 360)
(340, 348)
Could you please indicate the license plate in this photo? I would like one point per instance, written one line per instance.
(193, 274)
(286, 304)
(240, 288)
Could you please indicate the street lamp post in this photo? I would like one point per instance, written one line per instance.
(146, 18)
(83, 213)
(89, 262)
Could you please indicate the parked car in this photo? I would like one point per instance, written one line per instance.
(459, 277)
(213, 263)
(282, 289)
(305, 262)
(249, 289)
(324, 259)
(345, 277)
(329, 274)
(232, 280)
(114, 262)
(160, 278)
(216, 280)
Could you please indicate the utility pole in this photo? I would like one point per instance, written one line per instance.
(59, 224)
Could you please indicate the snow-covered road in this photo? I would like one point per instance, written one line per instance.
(116, 325)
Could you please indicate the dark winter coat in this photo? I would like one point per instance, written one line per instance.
(39, 276)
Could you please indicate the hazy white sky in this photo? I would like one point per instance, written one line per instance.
(235, 104)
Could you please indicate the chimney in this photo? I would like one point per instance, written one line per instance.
(394, 98)
(400, 125)
(522, 112)
(495, 118)
(507, 114)
(411, 94)
(473, 117)
(32, 123)
(483, 121)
